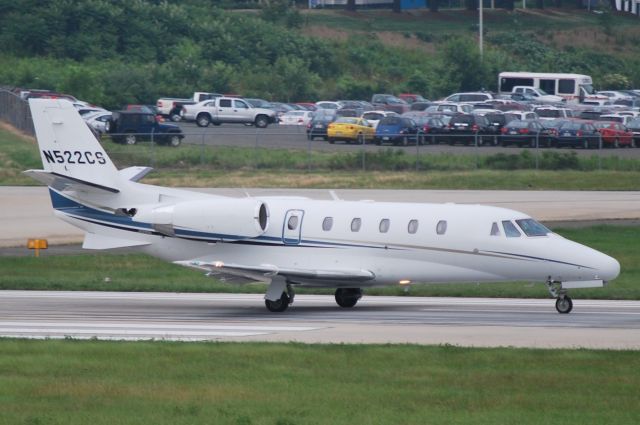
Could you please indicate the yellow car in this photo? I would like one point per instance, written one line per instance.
(350, 129)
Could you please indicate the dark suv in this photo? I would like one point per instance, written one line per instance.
(464, 128)
(131, 127)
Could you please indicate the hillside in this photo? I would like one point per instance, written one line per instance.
(112, 53)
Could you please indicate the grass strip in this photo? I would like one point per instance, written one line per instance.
(79, 382)
(138, 272)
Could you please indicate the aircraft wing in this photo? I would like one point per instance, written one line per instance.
(236, 273)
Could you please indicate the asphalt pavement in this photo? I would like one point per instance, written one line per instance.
(317, 319)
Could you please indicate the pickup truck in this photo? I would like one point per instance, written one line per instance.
(538, 94)
(171, 106)
(227, 110)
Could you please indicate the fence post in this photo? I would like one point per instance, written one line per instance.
(537, 148)
(153, 149)
(418, 139)
(477, 153)
(308, 154)
(599, 151)
(202, 151)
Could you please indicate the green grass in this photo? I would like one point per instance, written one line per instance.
(81, 382)
(137, 272)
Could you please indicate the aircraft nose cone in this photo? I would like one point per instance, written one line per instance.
(608, 268)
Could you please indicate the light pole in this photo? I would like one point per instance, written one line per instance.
(480, 40)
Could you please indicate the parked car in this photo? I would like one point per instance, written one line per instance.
(317, 127)
(296, 118)
(411, 98)
(389, 102)
(614, 134)
(350, 129)
(98, 121)
(578, 133)
(326, 104)
(522, 115)
(434, 129)
(227, 110)
(420, 106)
(470, 97)
(131, 127)
(259, 103)
(374, 117)
(397, 131)
(467, 128)
(538, 94)
(497, 120)
(525, 133)
(551, 112)
(460, 108)
(634, 127)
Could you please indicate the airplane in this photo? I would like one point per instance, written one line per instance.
(290, 242)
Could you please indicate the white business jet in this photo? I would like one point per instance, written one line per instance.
(292, 241)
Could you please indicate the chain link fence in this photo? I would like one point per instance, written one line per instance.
(15, 111)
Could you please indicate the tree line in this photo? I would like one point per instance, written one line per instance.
(134, 51)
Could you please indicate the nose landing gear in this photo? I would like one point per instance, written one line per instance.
(564, 304)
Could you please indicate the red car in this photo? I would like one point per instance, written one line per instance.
(614, 134)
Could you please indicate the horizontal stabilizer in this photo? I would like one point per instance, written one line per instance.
(61, 183)
(135, 173)
(94, 241)
(265, 272)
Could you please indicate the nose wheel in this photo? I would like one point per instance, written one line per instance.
(564, 304)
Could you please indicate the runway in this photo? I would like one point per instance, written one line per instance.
(317, 319)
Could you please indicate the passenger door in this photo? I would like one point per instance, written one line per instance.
(292, 227)
(242, 111)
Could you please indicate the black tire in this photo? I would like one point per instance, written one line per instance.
(279, 305)
(348, 297)
(331, 140)
(564, 305)
(130, 139)
(261, 121)
(174, 140)
(203, 120)
(378, 142)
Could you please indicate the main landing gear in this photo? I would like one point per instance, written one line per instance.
(564, 304)
(279, 305)
(348, 297)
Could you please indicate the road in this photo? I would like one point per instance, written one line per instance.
(316, 319)
(294, 137)
(26, 211)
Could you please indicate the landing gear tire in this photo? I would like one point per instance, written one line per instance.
(564, 305)
(348, 297)
(279, 305)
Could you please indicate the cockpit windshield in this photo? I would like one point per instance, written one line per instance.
(530, 227)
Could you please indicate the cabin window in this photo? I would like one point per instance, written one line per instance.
(530, 227)
(413, 226)
(384, 225)
(510, 229)
(441, 227)
(292, 223)
(495, 230)
(327, 223)
(355, 224)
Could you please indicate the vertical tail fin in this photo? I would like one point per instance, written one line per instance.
(68, 149)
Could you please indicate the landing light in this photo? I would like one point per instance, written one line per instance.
(404, 282)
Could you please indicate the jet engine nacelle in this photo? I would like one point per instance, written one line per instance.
(216, 219)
